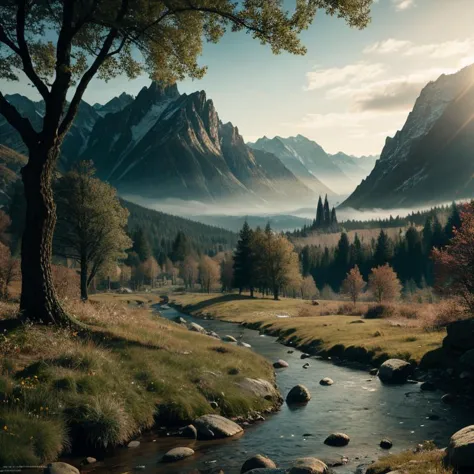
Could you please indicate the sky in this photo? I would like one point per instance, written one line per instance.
(348, 93)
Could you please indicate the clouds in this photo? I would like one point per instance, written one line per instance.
(322, 78)
(387, 47)
(401, 5)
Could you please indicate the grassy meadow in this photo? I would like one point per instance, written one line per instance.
(327, 327)
(128, 371)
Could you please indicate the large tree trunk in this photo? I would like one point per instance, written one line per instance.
(39, 302)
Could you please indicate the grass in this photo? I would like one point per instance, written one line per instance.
(319, 328)
(131, 370)
(410, 462)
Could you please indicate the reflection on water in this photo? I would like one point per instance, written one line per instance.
(357, 404)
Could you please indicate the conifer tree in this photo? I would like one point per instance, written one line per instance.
(320, 214)
(333, 218)
(327, 213)
(356, 252)
(141, 245)
(454, 222)
(383, 249)
(244, 264)
(181, 247)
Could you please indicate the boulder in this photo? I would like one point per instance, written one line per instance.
(395, 371)
(177, 454)
(89, 460)
(60, 468)
(215, 426)
(308, 466)
(256, 462)
(298, 394)
(337, 439)
(460, 450)
(229, 339)
(213, 334)
(386, 444)
(180, 320)
(280, 364)
(460, 336)
(189, 431)
(196, 328)
(448, 398)
(326, 381)
(244, 344)
(265, 470)
(260, 388)
(133, 444)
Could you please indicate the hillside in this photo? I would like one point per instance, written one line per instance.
(430, 160)
(11, 163)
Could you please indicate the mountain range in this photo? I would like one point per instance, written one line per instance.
(431, 159)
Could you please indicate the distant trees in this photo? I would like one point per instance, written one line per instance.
(91, 223)
(245, 260)
(189, 271)
(353, 284)
(209, 273)
(326, 219)
(455, 263)
(227, 272)
(9, 270)
(308, 288)
(384, 284)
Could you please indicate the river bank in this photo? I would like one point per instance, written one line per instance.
(63, 391)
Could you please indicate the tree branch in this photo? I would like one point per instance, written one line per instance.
(21, 124)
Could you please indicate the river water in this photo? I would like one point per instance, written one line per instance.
(357, 404)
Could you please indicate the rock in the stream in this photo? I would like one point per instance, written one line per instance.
(229, 338)
(298, 394)
(448, 398)
(177, 454)
(280, 364)
(265, 470)
(460, 450)
(337, 439)
(306, 366)
(196, 328)
(326, 381)
(89, 460)
(260, 388)
(308, 466)
(428, 387)
(189, 431)
(216, 426)
(244, 344)
(213, 334)
(133, 444)
(395, 371)
(373, 371)
(386, 444)
(60, 468)
(180, 320)
(256, 462)
(305, 356)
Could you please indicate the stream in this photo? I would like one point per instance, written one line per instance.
(357, 404)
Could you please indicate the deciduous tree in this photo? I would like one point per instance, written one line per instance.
(9, 270)
(60, 44)
(189, 271)
(353, 284)
(209, 273)
(309, 290)
(91, 223)
(384, 283)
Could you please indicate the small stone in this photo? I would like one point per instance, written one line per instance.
(290, 352)
(308, 466)
(337, 439)
(280, 364)
(298, 394)
(448, 398)
(244, 344)
(306, 366)
(427, 387)
(229, 338)
(133, 444)
(189, 431)
(373, 371)
(326, 381)
(395, 371)
(140, 467)
(60, 468)
(257, 462)
(89, 460)
(197, 328)
(305, 356)
(214, 405)
(386, 444)
(215, 426)
(177, 454)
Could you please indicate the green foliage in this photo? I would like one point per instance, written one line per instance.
(244, 260)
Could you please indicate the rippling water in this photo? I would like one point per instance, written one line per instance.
(357, 404)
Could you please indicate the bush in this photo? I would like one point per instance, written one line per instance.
(447, 312)
(380, 311)
(349, 309)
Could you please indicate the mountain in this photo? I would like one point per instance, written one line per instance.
(309, 162)
(114, 105)
(431, 160)
(353, 167)
(166, 144)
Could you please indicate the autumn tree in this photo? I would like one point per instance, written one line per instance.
(60, 46)
(150, 270)
(9, 270)
(353, 284)
(125, 274)
(308, 288)
(454, 264)
(189, 271)
(209, 273)
(91, 223)
(384, 283)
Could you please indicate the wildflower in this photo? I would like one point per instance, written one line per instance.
(5, 428)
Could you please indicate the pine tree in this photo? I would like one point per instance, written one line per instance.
(320, 214)
(356, 252)
(181, 247)
(383, 249)
(454, 222)
(327, 213)
(333, 218)
(141, 245)
(439, 237)
(244, 261)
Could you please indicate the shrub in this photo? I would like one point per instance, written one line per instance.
(66, 282)
(380, 311)
(348, 309)
(446, 312)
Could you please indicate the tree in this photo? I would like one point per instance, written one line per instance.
(208, 273)
(150, 270)
(383, 249)
(102, 38)
(353, 284)
(91, 223)
(454, 222)
(227, 272)
(9, 270)
(244, 260)
(454, 264)
(327, 213)
(125, 274)
(333, 218)
(5, 223)
(181, 248)
(189, 271)
(141, 246)
(320, 214)
(309, 290)
(384, 283)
